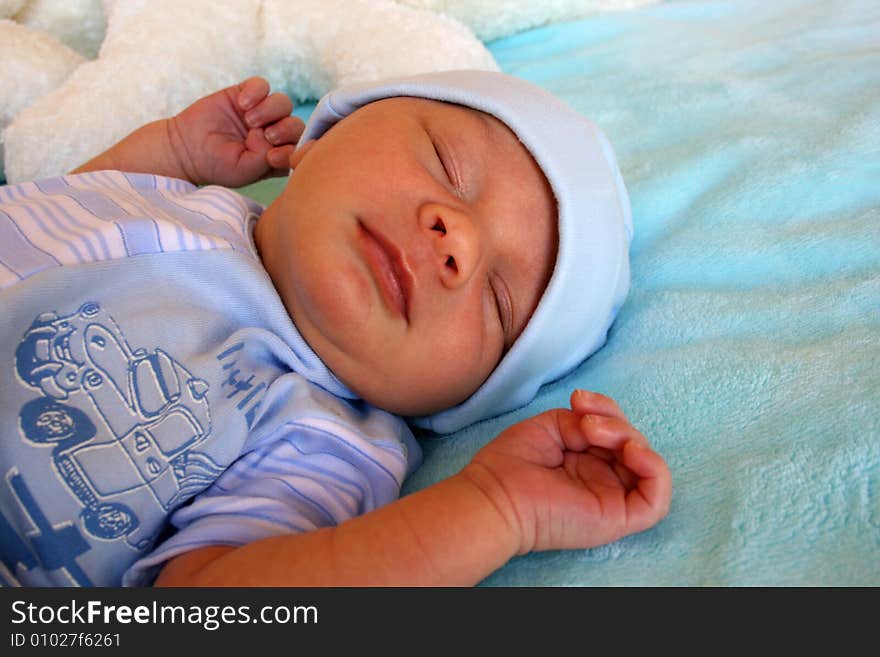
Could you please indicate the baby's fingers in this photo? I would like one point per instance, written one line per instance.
(251, 92)
(279, 160)
(648, 502)
(271, 109)
(286, 131)
(594, 403)
(609, 432)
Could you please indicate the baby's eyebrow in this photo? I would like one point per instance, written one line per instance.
(485, 122)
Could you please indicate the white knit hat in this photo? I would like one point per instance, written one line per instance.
(590, 280)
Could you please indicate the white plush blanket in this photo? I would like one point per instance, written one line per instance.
(81, 74)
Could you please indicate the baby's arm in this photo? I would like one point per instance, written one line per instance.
(563, 479)
(233, 137)
(446, 534)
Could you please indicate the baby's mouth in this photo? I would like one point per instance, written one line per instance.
(389, 269)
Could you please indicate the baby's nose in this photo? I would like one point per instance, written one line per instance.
(455, 242)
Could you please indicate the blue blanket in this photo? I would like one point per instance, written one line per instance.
(748, 352)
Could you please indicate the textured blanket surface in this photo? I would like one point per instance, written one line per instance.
(748, 352)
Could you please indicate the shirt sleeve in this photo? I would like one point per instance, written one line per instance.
(313, 474)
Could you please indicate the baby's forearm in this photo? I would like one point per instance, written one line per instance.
(449, 534)
(149, 149)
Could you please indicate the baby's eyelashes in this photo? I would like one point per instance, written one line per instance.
(503, 306)
(447, 161)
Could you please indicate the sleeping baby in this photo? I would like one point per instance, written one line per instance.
(205, 392)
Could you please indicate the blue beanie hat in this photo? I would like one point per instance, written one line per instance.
(590, 279)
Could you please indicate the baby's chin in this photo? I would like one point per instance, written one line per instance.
(410, 398)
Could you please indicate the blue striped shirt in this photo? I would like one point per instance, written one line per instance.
(158, 397)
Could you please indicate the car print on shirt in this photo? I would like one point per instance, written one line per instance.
(123, 424)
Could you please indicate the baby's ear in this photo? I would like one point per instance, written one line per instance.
(297, 156)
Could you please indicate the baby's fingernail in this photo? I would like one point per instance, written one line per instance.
(252, 119)
(271, 135)
(277, 158)
(246, 101)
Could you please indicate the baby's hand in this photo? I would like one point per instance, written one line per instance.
(574, 478)
(236, 136)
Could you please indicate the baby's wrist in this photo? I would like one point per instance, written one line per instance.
(499, 509)
(149, 149)
(179, 158)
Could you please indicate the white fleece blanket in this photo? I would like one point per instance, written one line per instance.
(81, 74)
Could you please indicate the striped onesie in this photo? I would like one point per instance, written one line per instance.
(157, 398)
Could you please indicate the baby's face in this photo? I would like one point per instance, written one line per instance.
(410, 246)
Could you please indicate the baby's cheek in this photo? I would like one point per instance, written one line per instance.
(340, 295)
(466, 359)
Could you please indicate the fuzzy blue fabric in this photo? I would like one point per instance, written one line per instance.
(748, 350)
